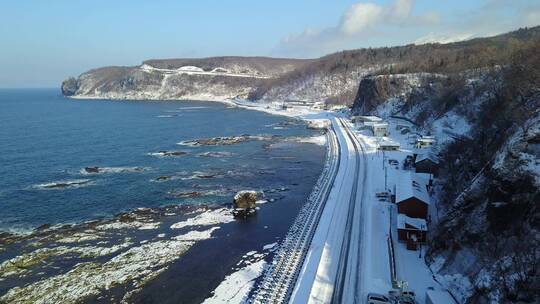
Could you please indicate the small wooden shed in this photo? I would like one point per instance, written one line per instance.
(412, 198)
(427, 162)
(408, 227)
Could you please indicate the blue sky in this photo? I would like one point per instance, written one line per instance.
(44, 42)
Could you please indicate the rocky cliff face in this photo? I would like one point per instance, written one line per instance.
(407, 89)
(221, 78)
(148, 82)
(487, 246)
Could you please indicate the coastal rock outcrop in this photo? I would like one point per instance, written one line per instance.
(70, 86)
(245, 203)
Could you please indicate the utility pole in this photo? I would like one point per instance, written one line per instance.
(385, 178)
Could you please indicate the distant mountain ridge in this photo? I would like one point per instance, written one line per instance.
(333, 78)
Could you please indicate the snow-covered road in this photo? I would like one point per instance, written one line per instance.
(339, 248)
(317, 277)
(339, 267)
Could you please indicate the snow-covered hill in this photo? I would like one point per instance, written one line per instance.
(486, 238)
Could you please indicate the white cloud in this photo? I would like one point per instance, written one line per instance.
(367, 24)
(401, 9)
(360, 17)
(359, 21)
(533, 17)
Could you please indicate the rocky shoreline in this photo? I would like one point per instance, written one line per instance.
(129, 249)
(98, 258)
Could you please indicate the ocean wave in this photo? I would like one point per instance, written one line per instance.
(192, 108)
(176, 176)
(165, 116)
(99, 170)
(226, 140)
(167, 153)
(64, 184)
(192, 193)
(217, 154)
(204, 175)
(17, 231)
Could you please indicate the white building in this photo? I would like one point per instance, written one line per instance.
(425, 141)
(278, 105)
(388, 145)
(338, 107)
(360, 119)
(318, 105)
(380, 129)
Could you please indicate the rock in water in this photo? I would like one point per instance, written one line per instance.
(245, 203)
(91, 169)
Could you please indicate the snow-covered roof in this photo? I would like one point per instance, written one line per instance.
(426, 139)
(388, 143)
(368, 118)
(439, 297)
(411, 186)
(380, 125)
(375, 124)
(427, 155)
(403, 221)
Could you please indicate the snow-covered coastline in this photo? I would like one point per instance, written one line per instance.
(304, 114)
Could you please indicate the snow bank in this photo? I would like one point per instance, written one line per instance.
(207, 218)
(317, 140)
(236, 286)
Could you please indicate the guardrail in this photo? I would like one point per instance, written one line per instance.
(391, 251)
(280, 277)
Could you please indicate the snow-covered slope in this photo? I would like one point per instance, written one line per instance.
(147, 82)
(485, 240)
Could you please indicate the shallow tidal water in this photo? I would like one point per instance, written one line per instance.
(48, 140)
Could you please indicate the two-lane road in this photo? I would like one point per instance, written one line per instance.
(330, 269)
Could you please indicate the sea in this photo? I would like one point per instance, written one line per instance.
(69, 161)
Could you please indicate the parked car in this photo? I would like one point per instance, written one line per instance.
(409, 294)
(407, 297)
(374, 298)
